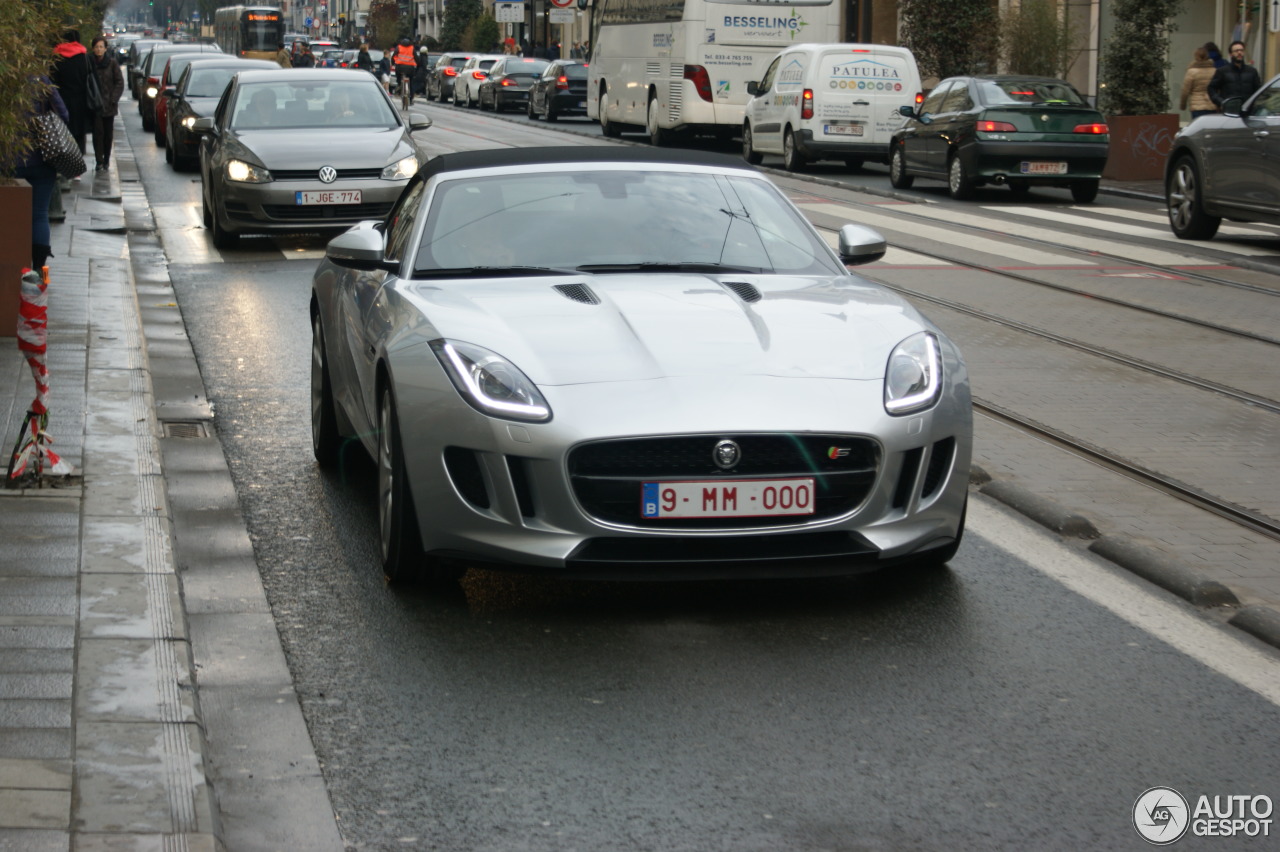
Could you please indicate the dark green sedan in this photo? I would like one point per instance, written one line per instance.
(1016, 131)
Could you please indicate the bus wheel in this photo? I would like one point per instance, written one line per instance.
(657, 136)
(607, 127)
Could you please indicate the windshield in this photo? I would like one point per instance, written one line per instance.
(998, 92)
(287, 105)
(209, 82)
(604, 218)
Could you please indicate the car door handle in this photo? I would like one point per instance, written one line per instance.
(1261, 134)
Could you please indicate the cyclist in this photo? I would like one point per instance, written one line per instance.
(406, 66)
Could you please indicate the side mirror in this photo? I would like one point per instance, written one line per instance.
(753, 87)
(860, 244)
(908, 111)
(204, 124)
(418, 122)
(359, 248)
(169, 91)
(1232, 107)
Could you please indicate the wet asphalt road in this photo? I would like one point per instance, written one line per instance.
(982, 706)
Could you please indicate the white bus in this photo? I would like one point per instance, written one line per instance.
(672, 66)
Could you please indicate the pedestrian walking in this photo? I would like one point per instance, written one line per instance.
(43, 97)
(71, 69)
(106, 74)
(1236, 79)
(384, 72)
(283, 57)
(1195, 85)
(1215, 55)
(305, 58)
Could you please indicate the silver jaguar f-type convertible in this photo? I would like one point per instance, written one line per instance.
(626, 362)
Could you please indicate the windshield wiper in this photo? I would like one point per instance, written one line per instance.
(665, 266)
(490, 271)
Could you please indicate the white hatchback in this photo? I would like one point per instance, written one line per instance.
(829, 102)
(466, 86)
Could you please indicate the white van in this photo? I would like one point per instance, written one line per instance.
(829, 102)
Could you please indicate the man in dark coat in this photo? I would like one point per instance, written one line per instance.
(1236, 79)
(70, 68)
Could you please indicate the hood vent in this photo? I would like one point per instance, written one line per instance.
(579, 293)
(744, 291)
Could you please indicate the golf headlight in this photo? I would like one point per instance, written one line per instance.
(913, 376)
(189, 122)
(402, 170)
(490, 383)
(242, 172)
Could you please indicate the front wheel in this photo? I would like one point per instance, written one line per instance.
(898, 176)
(1187, 218)
(749, 152)
(326, 444)
(401, 544)
(958, 183)
(529, 110)
(222, 238)
(792, 159)
(1084, 191)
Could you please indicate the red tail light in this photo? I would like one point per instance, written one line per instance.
(562, 82)
(507, 81)
(477, 74)
(450, 71)
(697, 75)
(806, 104)
(1095, 129)
(996, 127)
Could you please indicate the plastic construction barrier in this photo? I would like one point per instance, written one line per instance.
(32, 457)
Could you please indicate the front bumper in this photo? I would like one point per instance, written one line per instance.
(273, 206)
(502, 493)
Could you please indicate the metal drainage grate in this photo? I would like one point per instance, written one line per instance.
(185, 429)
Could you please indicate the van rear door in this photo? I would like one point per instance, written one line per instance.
(858, 92)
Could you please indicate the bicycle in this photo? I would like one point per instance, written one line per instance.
(406, 91)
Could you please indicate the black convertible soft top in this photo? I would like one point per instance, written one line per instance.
(498, 157)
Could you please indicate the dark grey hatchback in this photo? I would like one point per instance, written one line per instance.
(1226, 166)
(561, 90)
(1015, 130)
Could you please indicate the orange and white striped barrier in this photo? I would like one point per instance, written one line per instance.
(31, 454)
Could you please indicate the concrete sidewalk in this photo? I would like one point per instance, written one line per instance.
(101, 745)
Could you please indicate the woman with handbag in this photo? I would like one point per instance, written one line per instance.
(40, 174)
(109, 84)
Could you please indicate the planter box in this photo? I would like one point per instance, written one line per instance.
(15, 251)
(1140, 145)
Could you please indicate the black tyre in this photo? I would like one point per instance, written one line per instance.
(401, 543)
(326, 443)
(958, 182)
(898, 176)
(204, 212)
(1185, 201)
(749, 153)
(1084, 191)
(657, 135)
(529, 110)
(792, 159)
(607, 128)
(546, 111)
(222, 238)
(148, 122)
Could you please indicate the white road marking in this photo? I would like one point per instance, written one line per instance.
(1163, 234)
(1234, 657)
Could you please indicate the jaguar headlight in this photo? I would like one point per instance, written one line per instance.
(242, 172)
(913, 376)
(402, 169)
(490, 383)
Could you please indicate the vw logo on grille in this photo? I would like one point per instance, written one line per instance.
(726, 454)
(328, 174)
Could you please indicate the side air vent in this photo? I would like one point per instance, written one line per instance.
(579, 293)
(744, 291)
